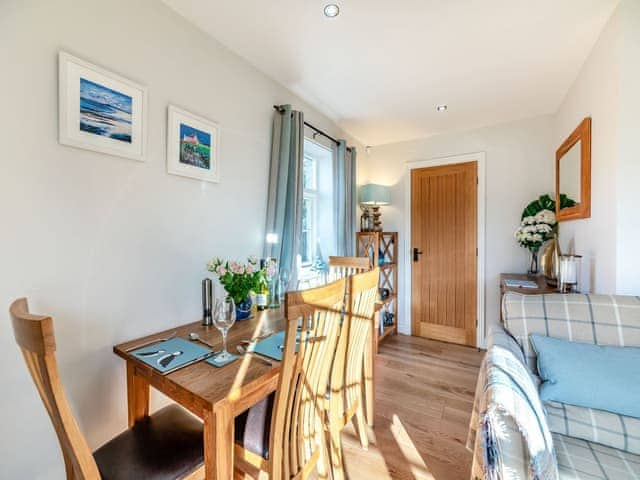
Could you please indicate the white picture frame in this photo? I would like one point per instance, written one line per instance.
(99, 110)
(193, 145)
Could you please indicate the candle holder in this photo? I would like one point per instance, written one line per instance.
(569, 273)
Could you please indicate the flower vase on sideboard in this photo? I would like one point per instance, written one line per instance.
(550, 261)
(533, 267)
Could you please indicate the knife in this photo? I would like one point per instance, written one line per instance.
(150, 354)
(150, 342)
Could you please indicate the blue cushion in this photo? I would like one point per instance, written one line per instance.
(586, 375)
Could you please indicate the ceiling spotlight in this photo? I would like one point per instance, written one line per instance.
(332, 10)
(441, 108)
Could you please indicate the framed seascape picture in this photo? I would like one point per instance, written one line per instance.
(193, 146)
(99, 110)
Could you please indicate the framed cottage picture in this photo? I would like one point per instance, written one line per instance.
(193, 146)
(99, 110)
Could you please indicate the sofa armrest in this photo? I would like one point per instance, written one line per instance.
(508, 430)
(499, 337)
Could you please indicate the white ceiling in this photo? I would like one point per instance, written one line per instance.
(380, 68)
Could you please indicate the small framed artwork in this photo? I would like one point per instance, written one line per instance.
(99, 110)
(193, 146)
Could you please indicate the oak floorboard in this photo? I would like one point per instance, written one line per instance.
(424, 397)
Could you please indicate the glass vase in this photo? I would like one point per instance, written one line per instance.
(533, 267)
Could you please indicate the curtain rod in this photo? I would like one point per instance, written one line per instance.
(315, 129)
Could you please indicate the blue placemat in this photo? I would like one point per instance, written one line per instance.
(272, 346)
(170, 355)
(217, 362)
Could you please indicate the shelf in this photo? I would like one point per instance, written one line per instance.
(382, 246)
(386, 332)
(390, 298)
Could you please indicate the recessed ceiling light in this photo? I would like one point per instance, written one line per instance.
(441, 108)
(332, 10)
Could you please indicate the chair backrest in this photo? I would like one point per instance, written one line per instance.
(297, 428)
(34, 335)
(356, 330)
(340, 267)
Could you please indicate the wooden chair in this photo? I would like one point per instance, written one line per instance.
(297, 439)
(167, 445)
(340, 267)
(346, 400)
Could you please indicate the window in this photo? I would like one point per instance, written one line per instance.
(317, 233)
(309, 211)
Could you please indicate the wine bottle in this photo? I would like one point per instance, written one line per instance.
(262, 291)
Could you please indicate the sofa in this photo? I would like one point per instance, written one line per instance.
(513, 433)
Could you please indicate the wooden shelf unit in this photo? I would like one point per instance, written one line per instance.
(382, 250)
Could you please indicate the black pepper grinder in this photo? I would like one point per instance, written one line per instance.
(207, 302)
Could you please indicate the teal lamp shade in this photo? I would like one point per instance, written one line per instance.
(374, 195)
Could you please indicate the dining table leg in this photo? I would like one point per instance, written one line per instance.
(219, 442)
(137, 395)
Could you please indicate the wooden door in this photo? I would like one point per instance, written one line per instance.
(444, 228)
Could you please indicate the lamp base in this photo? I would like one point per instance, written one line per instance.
(377, 222)
(366, 220)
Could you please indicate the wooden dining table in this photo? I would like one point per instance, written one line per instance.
(215, 395)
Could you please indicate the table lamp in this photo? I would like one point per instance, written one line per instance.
(373, 196)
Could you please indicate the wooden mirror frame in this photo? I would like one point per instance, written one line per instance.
(583, 209)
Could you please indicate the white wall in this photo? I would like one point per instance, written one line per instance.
(517, 171)
(607, 90)
(628, 171)
(113, 248)
(595, 94)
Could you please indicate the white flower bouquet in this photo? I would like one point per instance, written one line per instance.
(536, 229)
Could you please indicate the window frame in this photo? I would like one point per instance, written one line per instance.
(311, 195)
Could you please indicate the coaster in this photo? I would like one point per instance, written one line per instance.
(215, 361)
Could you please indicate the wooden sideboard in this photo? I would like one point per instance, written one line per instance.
(539, 279)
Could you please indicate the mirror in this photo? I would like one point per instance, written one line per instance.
(573, 174)
(570, 173)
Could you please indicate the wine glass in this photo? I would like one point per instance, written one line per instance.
(283, 284)
(224, 318)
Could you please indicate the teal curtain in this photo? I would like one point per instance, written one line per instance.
(344, 189)
(284, 204)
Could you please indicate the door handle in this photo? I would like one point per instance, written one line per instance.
(416, 254)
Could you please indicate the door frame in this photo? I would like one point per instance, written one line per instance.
(480, 158)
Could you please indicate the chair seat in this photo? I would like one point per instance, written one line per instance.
(165, 446)
(253, 427)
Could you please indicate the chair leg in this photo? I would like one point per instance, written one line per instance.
(361, 424)
(323, 461)
(335, 451)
